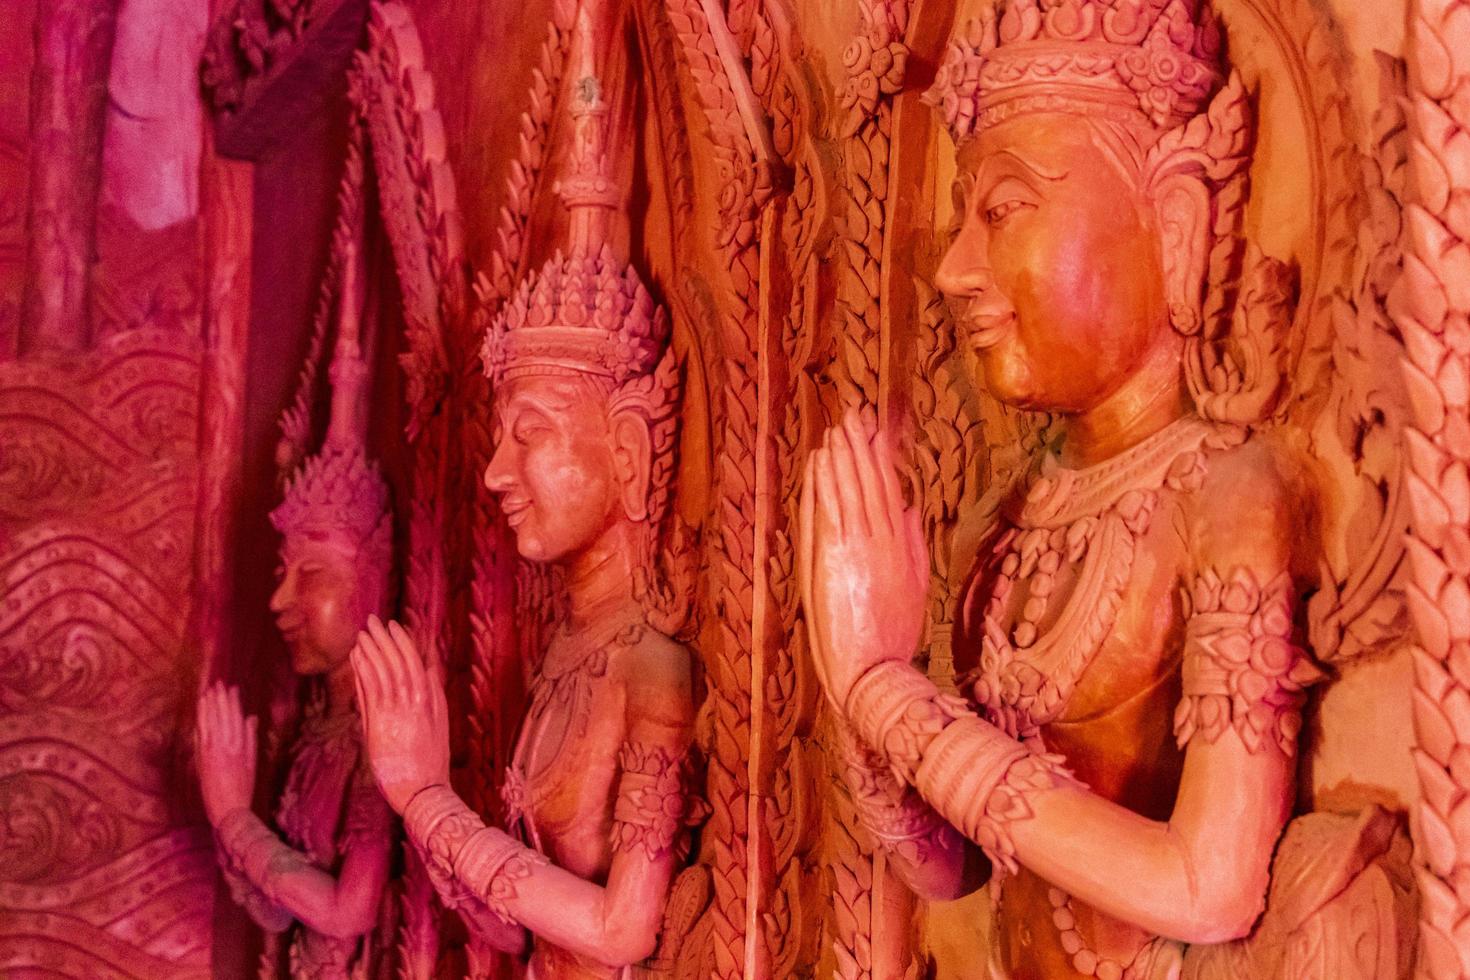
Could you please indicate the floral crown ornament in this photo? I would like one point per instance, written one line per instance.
(583, 313)
(587, 313)
(1163, 58)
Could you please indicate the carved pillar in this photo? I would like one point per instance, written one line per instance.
(1432, 305)
(68, 109)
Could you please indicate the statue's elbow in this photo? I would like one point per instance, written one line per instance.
(1228, 915)
(625, 947)
(345, 922)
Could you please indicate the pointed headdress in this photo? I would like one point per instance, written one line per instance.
(339, 491)
(586, 311)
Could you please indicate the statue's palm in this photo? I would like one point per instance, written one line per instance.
(405, 717)
(864, 567)
(224, 749)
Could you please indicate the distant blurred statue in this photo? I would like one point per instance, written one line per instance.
(319, 872)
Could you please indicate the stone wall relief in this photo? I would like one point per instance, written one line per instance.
(586, 397)
(1357, 616)
(104, 866)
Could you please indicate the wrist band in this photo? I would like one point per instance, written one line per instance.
(980, 779)
(899, 711)
(895, 817)
(459, 849)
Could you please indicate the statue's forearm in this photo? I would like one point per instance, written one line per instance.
(926, 852)
(1202, 874)
(616, 924)
(276, 883)
(974, 775)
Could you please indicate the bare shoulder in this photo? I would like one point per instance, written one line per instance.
(658, 675)
(1254, 509)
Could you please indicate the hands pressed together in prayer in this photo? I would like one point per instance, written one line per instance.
(863, 570)
(405, 716)
(224, 745)
(863, 566)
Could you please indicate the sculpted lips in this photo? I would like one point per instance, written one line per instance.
(986, 330)
(514, 509)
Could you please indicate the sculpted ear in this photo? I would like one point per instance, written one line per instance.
(632, 459)
(1183, 207)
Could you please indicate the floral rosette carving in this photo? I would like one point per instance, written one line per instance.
(1169, 72)
(656, 800)
(1241, 669)
(875, 68)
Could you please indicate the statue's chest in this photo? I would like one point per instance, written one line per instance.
(311, 807)
(1075, 610)
(1069, 630)
(560, 783)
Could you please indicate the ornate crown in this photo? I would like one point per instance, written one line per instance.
(1160, 57)
(585, 311)
(337, 490)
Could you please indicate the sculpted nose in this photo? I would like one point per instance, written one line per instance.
(498, 473)
(964, 272)
(281, 598)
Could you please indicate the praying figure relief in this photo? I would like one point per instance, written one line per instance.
(320, 871)
(1120, 763)
(597, 793)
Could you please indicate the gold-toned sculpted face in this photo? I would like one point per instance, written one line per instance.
(319, 603)
(1057, 276)
(561, 465)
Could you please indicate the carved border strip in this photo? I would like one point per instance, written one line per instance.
(1432, 309)
(875, 60)
(497, 586)
(742, 154)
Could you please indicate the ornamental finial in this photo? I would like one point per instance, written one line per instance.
(586, 311)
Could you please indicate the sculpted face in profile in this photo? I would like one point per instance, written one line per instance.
(1120, 763)
(319, 603)
(565, 472)
(596, 793)
(1059, 277)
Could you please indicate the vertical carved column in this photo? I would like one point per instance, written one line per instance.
(1433, 311)
(735, 834)
(227, 197)
(868, 931)
(68, 110)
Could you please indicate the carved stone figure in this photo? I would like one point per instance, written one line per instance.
(597, 793)
(1124, 749)
(320, 872)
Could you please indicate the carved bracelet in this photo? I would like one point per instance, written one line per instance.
(459, 847)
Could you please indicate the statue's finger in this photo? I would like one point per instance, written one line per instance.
(407, 657)
(914, 528)
(888, 472)
(866, 465)
(829, 512)
(364, 703)
(396, 683)
(848, 491)
(367, 665)
(232, 718)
